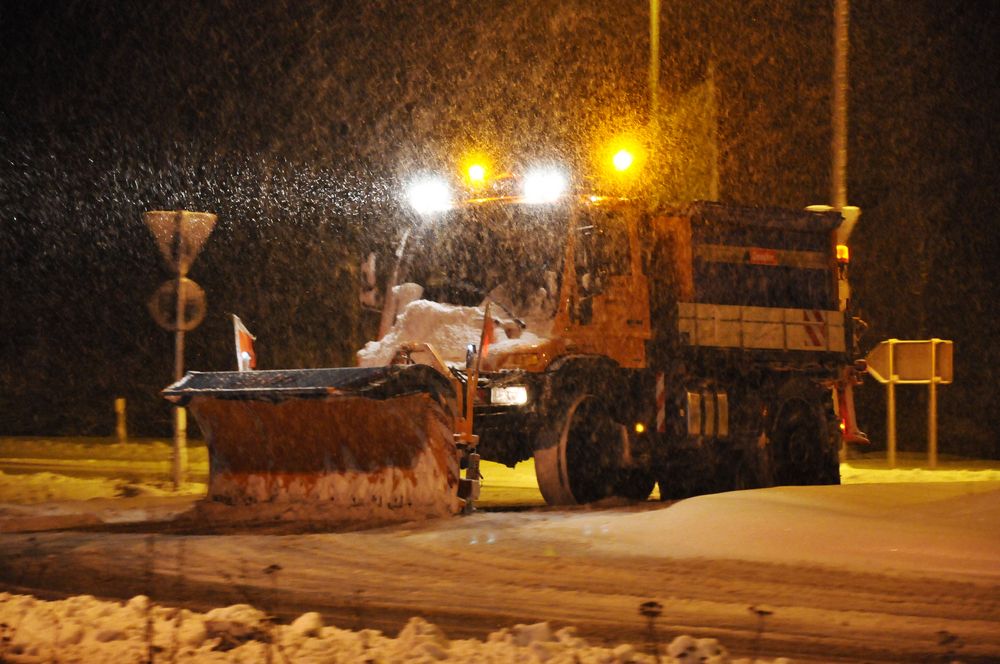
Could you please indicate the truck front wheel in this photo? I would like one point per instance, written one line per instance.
(580, 458)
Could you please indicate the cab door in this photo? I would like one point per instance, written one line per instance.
(606, 307)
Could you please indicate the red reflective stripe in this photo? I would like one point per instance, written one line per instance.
(815, 330)
(761, 256)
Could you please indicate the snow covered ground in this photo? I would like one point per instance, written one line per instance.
(896, 565)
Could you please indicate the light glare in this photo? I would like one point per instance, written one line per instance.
(544, 186)
(622, 160)
(428, 196)
(477, 174)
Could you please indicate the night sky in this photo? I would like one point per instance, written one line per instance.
(296, 122)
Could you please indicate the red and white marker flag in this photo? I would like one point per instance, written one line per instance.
(246, 359)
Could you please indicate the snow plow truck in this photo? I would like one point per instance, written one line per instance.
(704, 348)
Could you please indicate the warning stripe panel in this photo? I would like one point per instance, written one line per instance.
(771, 328)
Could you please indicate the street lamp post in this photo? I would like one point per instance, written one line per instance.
(838, 176)
(654, 60)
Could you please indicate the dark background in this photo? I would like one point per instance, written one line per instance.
(297, 121)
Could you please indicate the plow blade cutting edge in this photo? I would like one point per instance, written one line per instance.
(350, 444)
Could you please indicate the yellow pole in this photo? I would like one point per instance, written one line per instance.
(121, 430)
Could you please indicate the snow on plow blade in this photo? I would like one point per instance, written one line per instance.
(328, 444)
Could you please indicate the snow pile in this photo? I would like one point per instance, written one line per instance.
(852, 474)
(450, 329)
(44, 501)
(948, 527)
(47, 487)
(148, 454)
(83, 628)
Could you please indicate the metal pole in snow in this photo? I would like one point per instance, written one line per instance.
(932, 446)
(179, 461)
(890, 407)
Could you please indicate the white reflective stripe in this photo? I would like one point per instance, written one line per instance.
(733, 326)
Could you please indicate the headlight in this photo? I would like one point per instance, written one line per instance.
(544, 186)
(509, 395)
(430, 195)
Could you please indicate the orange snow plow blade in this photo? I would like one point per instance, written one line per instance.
(327, 444)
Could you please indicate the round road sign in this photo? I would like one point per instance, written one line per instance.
(163, 305)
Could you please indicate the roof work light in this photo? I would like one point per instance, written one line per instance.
(622, 160)
(429, 195)
(475, 166)
(544, 185)
(477, 174)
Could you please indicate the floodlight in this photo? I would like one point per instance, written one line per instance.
(544, 186)
(622, 160)
(429, 195)
(477, 174)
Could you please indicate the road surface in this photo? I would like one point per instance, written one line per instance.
(841, 573)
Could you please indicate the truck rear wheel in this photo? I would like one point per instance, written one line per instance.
(804, 445)
(581, 459)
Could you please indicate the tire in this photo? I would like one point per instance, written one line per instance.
(581, 457)
(804, 445)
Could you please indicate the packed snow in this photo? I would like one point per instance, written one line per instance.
(450, 329)
(47, 487)
(85, 629)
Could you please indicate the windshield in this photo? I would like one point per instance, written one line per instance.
(508, 253)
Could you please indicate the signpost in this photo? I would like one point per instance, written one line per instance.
(179, 304)
(925, 362)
